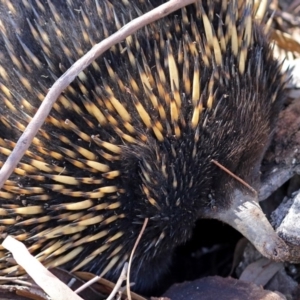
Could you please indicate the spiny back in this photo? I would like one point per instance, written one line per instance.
(134, 135)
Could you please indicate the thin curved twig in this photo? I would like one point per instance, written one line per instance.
(131, 258)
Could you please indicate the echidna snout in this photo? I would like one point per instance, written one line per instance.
(135, 135)
(247, 217)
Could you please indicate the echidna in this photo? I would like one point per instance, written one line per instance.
(137, 133)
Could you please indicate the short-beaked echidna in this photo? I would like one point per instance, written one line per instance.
(135, 135)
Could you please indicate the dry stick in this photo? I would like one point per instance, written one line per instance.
(234, 176)
(116, 287)
(43, 111)
(119, 282)
(49, 283)
(87, 284)
(96, 278)
(131, 257)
